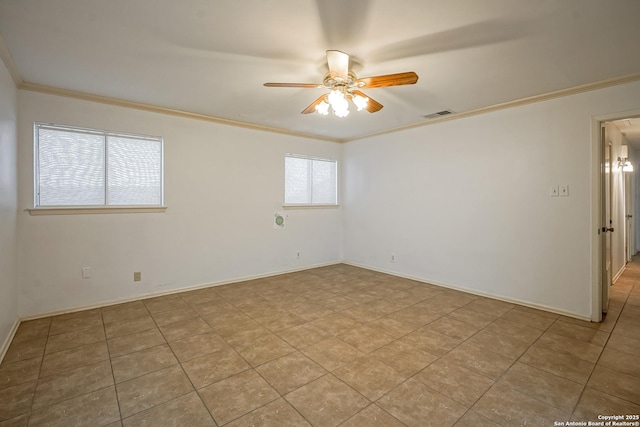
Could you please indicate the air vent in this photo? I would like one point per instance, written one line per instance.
(438, 114)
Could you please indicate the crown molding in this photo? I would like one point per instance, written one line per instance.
(630, 78)
(50, 90)
(33, 87)
(6, 57)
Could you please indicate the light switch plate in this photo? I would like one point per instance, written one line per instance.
(86, 272)
(554, 191)
(564, 190)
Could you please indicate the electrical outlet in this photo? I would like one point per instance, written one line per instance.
(393, 257)
(86, 272)
(137, 276)
(297, 255)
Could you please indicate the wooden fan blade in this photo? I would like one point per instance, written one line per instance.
(312, 108)
(338, 64)
(399, 79)
(304, 85)
(372, 104)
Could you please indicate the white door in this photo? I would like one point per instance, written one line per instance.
(607, 215)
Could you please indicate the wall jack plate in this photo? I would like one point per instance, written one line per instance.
(137, 276)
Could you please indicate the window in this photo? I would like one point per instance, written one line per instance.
(76, 167)
(310, 181)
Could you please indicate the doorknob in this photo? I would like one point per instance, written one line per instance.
(605, 229)
(629, 216)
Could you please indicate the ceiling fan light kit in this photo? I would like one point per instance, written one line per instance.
(344, 85)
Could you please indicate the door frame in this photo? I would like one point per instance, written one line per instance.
(597, 171)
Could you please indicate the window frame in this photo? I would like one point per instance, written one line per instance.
(39, 209)
(310, 183)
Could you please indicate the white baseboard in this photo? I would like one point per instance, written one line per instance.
(476, 292)
(7, 341)
(171, 292)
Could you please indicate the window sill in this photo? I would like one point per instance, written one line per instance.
(96, 210)
(310, 206)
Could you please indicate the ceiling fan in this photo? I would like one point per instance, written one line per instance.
(344, 86)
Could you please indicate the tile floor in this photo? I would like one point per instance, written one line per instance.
(330, 346)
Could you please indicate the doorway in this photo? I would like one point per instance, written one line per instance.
(616, 154)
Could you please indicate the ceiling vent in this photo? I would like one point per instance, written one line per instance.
(438, 114)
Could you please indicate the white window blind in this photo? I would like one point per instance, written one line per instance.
(310, 181)
(77, 167)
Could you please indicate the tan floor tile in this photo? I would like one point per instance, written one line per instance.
(32, 329)
(509, 407)
(491, 365)
(453, 328)
(303, 335)
(365, 338)
(278, 321)
(135, 342)
(503, 344)
(152, 389)
(246, 336)
(616, 383)
(372, 416)
(97, 408)
(129, 326)
(75, 321)
(142, 362)
(594, 402)
(25, 350)
(326, 401)
(415, 404)
(19, 421)
(213, 367)
(56, 388)
(275, 414)
(335, 324)
(289, 372)
(311, 311)
(531, 318)
(621, 362)
(338, 303)
(332, 353)
(548, 388)
(415, 316)
(201, 296)
(421, 292)
(16, 400)
(187, 410)
(66, 360)
(581, 333)
(517, 330)
(392, 327)
(473, 419)
(431, 341)
(627, 329)
(68, 340)
(362, 313)
(229, 326)
(490, 306)
(126, 311)
(197, 345)
(559, 363)
(20, 372)
(625, 344)
(250, 392)
(580, 349)
(403, 357)
(185, 329)
(460, 384)
(370, 377)
(263, 349)
(165, 303)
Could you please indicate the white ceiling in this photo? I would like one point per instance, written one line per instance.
(212, 57)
